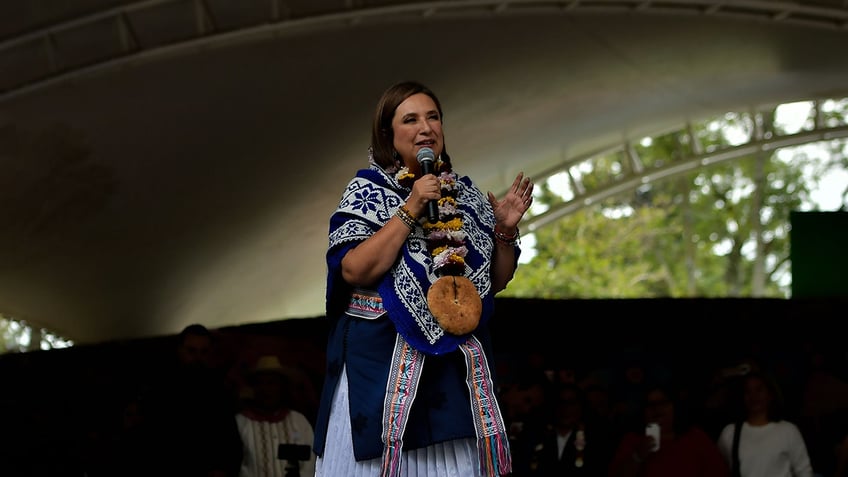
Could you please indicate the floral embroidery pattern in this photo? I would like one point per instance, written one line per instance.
(366, 200)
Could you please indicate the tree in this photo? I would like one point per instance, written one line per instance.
(721, 230)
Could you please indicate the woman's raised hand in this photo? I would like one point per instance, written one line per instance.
(510, 209)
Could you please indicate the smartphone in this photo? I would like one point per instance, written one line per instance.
(652, 429)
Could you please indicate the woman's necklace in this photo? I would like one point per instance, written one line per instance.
(445, 238)
(453, 299)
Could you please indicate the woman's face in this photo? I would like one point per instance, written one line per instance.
(660, 409)
(417, 124)
(757, 395)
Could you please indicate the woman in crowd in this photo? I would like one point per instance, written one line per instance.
(762, 443)
(679, 449)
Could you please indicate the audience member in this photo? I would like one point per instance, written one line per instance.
(683, 449)
(192, 430)
(598, 401)
(841, 466)
(123, 449)
(823, 414)
(629, 381)
(761, 443)
(575, 442)
(718, 406)
(46, 442)
(525, 415)
(276, 439)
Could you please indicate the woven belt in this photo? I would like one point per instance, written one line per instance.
(365, 304)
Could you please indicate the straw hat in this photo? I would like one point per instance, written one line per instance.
(270, 364)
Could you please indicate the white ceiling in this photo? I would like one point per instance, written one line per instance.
(194, 183)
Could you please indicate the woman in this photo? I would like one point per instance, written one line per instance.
(408, 389)
(765, 445)
(682, 448)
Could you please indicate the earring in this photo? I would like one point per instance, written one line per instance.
(394, 155)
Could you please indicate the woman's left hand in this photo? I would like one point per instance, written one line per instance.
(510, 209)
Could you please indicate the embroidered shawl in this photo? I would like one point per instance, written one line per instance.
(368, 202)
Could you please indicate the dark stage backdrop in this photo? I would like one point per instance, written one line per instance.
(687, 337)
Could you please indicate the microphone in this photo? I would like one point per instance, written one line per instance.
(427, 159)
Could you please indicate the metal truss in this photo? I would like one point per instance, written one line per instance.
(138, 31)
(634, 173)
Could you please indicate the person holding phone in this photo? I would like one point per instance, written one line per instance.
(670, 445)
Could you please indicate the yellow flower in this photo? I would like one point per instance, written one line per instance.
(457, 259)
(454, 223)
(453, 262)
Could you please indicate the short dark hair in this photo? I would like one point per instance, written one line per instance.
(776, 411)
(194, 329)
(382, 135)
(677, 397)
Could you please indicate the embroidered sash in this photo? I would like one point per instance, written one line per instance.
(492, 440)
(407, 365)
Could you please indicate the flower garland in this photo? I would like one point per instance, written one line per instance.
(445, 238)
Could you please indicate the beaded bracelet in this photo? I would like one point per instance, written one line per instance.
(406, 217)
(507, 239)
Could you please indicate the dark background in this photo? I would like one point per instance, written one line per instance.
(58, 400)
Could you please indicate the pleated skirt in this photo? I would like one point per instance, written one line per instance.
(456, 458)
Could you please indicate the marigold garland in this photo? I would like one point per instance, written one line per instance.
(445, 238)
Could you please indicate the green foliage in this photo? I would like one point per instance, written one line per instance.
(9, 336)
(581, 254)
(721, 230)
(19, 336)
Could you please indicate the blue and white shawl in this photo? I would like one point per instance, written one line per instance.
(368, 202)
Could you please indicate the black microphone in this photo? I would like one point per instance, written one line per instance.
(427, 159)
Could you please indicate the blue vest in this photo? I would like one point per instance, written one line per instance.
(441, 410)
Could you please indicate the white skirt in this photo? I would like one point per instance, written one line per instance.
(456, 458)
